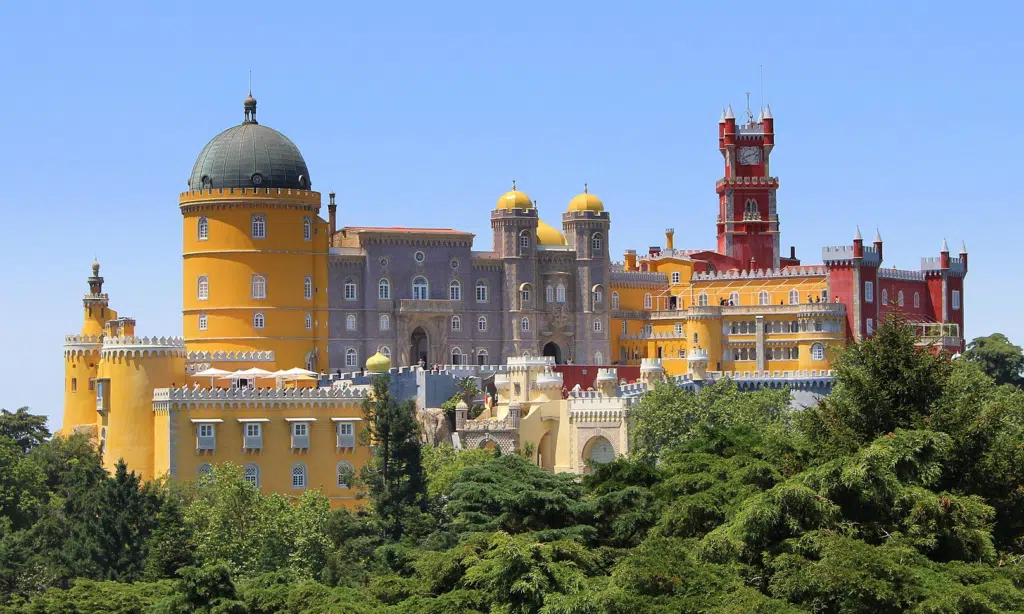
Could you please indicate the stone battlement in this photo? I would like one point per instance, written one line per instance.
(142, 346)
(250, 398)
(307, 196)
(221, 356)
(639, 277)
(802, 271)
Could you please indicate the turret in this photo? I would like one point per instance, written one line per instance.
(768, 125)
(651, 371)
(606, 381)
(698, 362)
(461, 414)
(630, 260)
(729, 130)
(669, 239)
(963, 254)
(858, 244)
(878, 243)
(944, 256)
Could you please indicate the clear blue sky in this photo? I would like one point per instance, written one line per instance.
(904, 116)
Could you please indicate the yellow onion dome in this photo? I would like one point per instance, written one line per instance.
(586, 202)
(548, 234)
(514, 199)
(378, 363)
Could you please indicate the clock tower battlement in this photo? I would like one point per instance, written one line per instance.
(748, 222)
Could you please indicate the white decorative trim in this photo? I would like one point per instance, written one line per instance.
(251, 419)
(346, 419)
(300, 419)
(205, 420)
(143, 346)
(222, 356)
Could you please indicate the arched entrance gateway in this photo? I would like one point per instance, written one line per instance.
(419, 346)
(552, 350)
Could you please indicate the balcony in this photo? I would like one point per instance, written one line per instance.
(253, 442)
(346, 440)
(943, 335)
(300, 442)
(206, 443)
(804, 309)
(427, 307)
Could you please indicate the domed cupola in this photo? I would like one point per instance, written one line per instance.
(514, 199)
(586, 202)
(250, 156)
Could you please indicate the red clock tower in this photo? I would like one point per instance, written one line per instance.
(748, 223)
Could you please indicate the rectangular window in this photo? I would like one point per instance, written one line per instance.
(869, 292)
(346, 435)
(307, 288)
(481, 293)
(870, 327)
(675, 277)
(74, 384)
(253, 436)
(205, 439)
(956, 300)
(679, 328)
(307, 228)
(300, 435)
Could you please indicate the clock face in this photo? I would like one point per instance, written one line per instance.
(750, 155)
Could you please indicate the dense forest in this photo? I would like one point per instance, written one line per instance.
(899, 492)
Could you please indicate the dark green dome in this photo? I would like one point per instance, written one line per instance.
(250, 156)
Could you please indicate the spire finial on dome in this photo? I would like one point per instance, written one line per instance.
(585, 188)
(513, 184)
(250, 104)
(857, 236)
(945, 246)
(95, 267)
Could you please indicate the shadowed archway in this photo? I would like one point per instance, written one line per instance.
(552, 350)
(420, 346)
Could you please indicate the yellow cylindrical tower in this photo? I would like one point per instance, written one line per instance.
(82, 357)
(705, 333)
(130, 368)
(255, 249)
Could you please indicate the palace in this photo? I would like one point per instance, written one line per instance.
(270, 286)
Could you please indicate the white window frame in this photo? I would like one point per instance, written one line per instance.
(549, 294)
(869, 292)
(385, 351)
(384, 289)
(206, 430)
(481, 291)
(595, 243)
(259, 321)
(203, 229)
(384, 322)
(344, 466)
(420, 291)
(258, 226)
(481, 356)
(351, 290)
(870, 327)
(676, 277)
(203, 288)
(560, 293)
(300, 476)
(307, 228)
(307, 288)
(350, 322)
(524, 325)
(817, 352)
(524, 294)
(524, 240)
(648, 301)
(457, 356)
(764, 298)
(678, 328)
(615, 300)
(956, 300)
(251, 474)
(351, 357)
(597, 325)
(481, 324)
(885, 296)
(794, 297)
(455, 291)
(203, 322)
(309, 321)
(258, 287)
(899, 298)
(598, 295)
(702, 299)
(456, 323)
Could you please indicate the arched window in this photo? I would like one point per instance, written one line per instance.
(615, 300)
(420, 288)
(481, 357)
(524, 239)
(351, 358)
(598, 358)
(259, 287)
(899, 298)
(252, 474)
(560, 293)
(350, 322)
(203, 288)
(750, 208)
(384, 322)
(648, 302)
(481, 291)
(595, 243)
(702, 299)
(259, 227)
(307, 229)
(549, 294)
(524, 295)
(524, 324)
(299, 475)
(597, 326)
(309, 321)
(885, 296)
(917, 300)
(481, 324)
(385, 351)
(202, 321)
(203, 232)
(455, 291)
(205, 469)
(763, 298)
(794, 297)
(384, 290)
(345, 474)
(350, 289)
(598, 295)
(734, 299)
(818, 351)
(307, 288)
(258, 321)
(456, 356)
(456, 323)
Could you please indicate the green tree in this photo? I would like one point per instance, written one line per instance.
(27, 430)
(22, 487)
(998, 358)
(169, 547)
(394, 476)
(126, 512)
(444, 463)
(205, 589)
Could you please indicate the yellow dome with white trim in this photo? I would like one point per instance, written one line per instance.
(549, 235)
(586, 202)
(378, 363)
(514, 199)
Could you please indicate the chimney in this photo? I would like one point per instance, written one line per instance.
(332, 214)
(669, 234)
(792, 252)
(630, 263)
